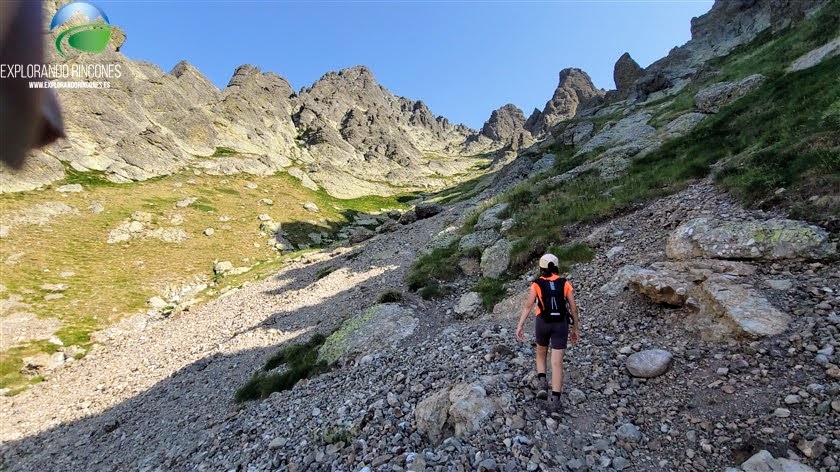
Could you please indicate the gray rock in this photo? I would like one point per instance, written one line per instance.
(763, 461)
(222, 267)
(576, 396)
(620, 280)
(469, 408)
(625, 73)
(743, 311)
(649, 363)
(507, 126)
(427, 210)
(431, 414)
(408, 217)
(779, 284)
(628, 432)
(495, 259)
(662, 286)
(186, 202)
(377, 328)
(543, 164)
(469, 305)
(209, 231)
(715, 97)
(479, 239)
(311, 207)
(489, 218)
(774, 239)
(816, 56)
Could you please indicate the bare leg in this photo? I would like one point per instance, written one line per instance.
(557, 369)
(542, 351)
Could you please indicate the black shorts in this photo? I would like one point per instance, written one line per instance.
(557, 333)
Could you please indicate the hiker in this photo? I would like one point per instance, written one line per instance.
(550, 294)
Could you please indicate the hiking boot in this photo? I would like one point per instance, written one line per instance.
(554, 406)
(540, 387)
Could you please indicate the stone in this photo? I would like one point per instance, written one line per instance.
(407, 218)
(779, 284)
(614, 251)
(209, 231)
(649, 363)
(793, 400)
(662, 286)
(576, 396)
(378, 328)
(277, 443)
(495, 259)
(620, 280)
(469, 305)
(478, 240)
(628, 432)
(715, 97)
(70, 188)
(769, 240)
(763, 461)
(489, 218)
(740, 309)
(359, 234)
(427, 210)
(222, 268)
(266, 201)
(469, 408)
(781, 413)
(812, 449)
(431, 414)
(816, 56)
(311, 207)
(625, 73)
(186, 202)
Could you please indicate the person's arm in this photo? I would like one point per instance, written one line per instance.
(530, 300)
(573, 309)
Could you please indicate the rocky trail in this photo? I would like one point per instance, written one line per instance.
(453, 395)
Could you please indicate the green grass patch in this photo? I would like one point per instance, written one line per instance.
(433, 290)
(391, 296)
(301, 362)
(323, 272)
(492, 291)
(439, 265)
(224, 152)
(89, 179)
(228, 191)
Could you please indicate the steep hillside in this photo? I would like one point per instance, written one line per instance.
(694, 209)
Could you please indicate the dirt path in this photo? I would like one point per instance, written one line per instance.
(163, 384)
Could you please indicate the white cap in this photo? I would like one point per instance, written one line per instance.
(547, 259)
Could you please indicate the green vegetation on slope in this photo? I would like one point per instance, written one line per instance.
(301, 361)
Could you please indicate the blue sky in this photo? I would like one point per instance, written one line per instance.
(464, 59)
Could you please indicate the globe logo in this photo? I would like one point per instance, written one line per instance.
(91, 37)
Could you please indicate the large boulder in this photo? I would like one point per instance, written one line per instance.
(495, 259)
(461, 410)
(469, 305)
(626, 72)
(431, 415)
(427, 210)
(662, 286)
(739, 309)
(773, 239)
(575, 90)
(763, 461)
(489, 218)
(715, 97)
(816, 56)
(649, 363)
(377, 328)
(479, 239)
(507, 126)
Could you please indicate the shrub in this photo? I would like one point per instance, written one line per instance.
(440, 264)
(391, 296)
(301, 362)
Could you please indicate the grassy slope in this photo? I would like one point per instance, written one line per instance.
(785, 134)
(140, 269)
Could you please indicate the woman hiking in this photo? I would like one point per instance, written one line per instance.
(549, 294)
